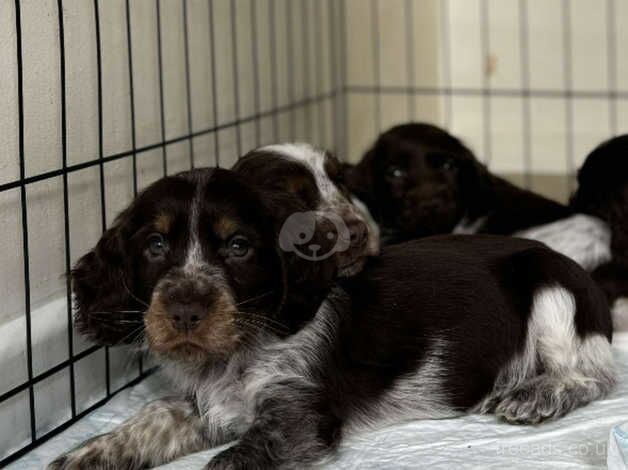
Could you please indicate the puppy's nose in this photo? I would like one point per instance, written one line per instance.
(186, 316)
(358, 231)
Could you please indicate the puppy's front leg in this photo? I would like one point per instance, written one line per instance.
(293, 426)
(162, 431)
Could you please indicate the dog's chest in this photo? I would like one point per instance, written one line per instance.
(222, 403)
(227, 400)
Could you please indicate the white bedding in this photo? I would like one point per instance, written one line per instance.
(578, 441)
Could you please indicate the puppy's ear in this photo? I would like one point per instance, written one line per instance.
(360, 179)
(475, 185)
(305, 284)
(102, 283)
(305, 280)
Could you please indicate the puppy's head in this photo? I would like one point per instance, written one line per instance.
(317, 178)
(195, 264)
(603, 189)
(603, 179)
(418, 180)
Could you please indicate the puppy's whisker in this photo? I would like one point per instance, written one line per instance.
(262, 318)
(135, 331)
(252, 299)
(119, 311)
(261, 327)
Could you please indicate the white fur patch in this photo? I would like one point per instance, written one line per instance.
(552, 337)
(559, 369)
(620, 314)
(314, 159)
(583, 238)
(194, 256)
(469, 227)
(418, 395)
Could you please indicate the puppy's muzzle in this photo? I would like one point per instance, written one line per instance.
(187, 300)
(358, 233)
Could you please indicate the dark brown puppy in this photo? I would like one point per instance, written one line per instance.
(603, 192)
(419, 180)
(266, 350)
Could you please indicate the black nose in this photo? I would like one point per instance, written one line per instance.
(186, 316)
(357, 231)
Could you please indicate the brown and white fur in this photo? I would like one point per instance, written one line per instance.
(287, 167)
(269, 350)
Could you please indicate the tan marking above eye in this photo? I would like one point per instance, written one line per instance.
(225, 227)
(163, 222)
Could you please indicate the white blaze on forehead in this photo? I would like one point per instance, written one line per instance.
(314, 160)
(194, 256)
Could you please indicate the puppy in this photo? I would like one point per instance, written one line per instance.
(419, 180)
(430, 329)
(602, 198)
(603, 191)
(316, 176)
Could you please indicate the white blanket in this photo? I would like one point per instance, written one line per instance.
(578, 441)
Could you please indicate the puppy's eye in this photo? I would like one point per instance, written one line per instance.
(239, 246)
(441, 161)
(395, 172)
(157, 246)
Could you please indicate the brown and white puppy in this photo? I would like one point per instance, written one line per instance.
(267, 351)
(316, 176)
(175, 247)
(418, 180)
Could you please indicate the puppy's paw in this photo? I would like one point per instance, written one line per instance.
(99, 453)
(542, 399)
(58, 463)
(238, 458)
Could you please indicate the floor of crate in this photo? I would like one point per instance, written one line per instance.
(578, 441)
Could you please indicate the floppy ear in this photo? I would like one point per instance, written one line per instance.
(475, 186)
(102, 283)
(305, 281)
(361, 180)
(618, 222)
(305, 285)
(361, 177)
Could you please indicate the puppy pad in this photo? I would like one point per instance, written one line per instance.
(578, 441)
